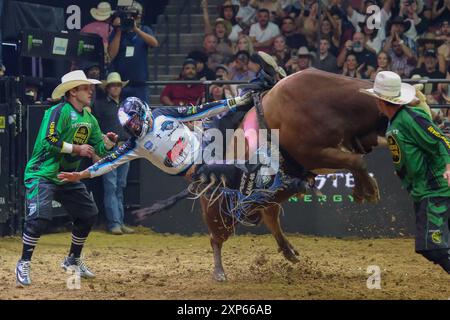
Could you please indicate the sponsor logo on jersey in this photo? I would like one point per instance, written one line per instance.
(73, 115)
(177, 155)
(436, 237)
(149, 146)
(32, 207)
(81, 136)
(395, 149)
(167, 125)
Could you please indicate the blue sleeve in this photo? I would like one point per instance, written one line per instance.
(148, 30)
(192, 113)
(124, 154)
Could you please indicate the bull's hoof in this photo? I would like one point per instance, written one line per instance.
(219, 276)
(290, 254)
(357, 196)
(375, 194)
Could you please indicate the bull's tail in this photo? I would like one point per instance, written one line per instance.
(160, 205)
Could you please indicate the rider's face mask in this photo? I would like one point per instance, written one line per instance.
(134, 125)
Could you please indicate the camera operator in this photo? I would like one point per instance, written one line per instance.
(128, 49)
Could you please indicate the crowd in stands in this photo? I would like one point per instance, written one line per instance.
(353, 38)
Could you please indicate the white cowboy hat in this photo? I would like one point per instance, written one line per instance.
(71, 80)
(113, 77)
(102, 12)
(388, 86)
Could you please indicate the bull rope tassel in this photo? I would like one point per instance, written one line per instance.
(211, 184)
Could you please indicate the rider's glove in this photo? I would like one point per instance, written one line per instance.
(240, 101)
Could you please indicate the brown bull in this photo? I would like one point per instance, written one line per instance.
(324, 124)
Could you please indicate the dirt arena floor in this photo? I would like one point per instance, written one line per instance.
(155, 266)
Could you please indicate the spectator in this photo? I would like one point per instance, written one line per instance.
(244, 43)
(93, 71)
(246, 13)
(32, 88)
(264, 31)
(114, 182)
(228, 11)
(444, 35)
(396, 27)
(216, 92)
(203, 72)
(325, 60)
(410, 10)
(281, 52)
(222, 29)
(403, 60)
(101, 26)
(308, 23)
(128, 50)
(184, 94)
(429, 42)
(222, 73)
(300, 62)
(373, 40)
(430, 68)
(366, 58)
(351, 68)
(239, 70)
(383, 64)
(342, 30)
(272, 6)
(294, 40)
(441, 10)
(210, 49)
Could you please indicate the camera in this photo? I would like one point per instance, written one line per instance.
(127, 14)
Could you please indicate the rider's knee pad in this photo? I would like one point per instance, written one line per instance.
(35, 227)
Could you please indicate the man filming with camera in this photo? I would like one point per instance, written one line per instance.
(128, 49)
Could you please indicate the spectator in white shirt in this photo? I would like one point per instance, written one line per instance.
(246, 13)
(264, 31)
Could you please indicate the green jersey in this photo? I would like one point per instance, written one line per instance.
(420, 152)
(62, 124)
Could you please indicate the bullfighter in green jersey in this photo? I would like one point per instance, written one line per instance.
(68, 132)
(421, 156)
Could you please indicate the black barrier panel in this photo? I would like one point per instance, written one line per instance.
(335, 214)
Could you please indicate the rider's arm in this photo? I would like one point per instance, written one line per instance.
(126, 153)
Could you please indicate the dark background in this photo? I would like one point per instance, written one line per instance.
(393, 216)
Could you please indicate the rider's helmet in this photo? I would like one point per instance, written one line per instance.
(134, 116)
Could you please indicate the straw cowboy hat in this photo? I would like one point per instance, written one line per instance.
(429, 37)
(71, 80)
(388, 86)
(113, 77)
(102, 12)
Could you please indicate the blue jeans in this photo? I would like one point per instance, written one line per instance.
(113, 184)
